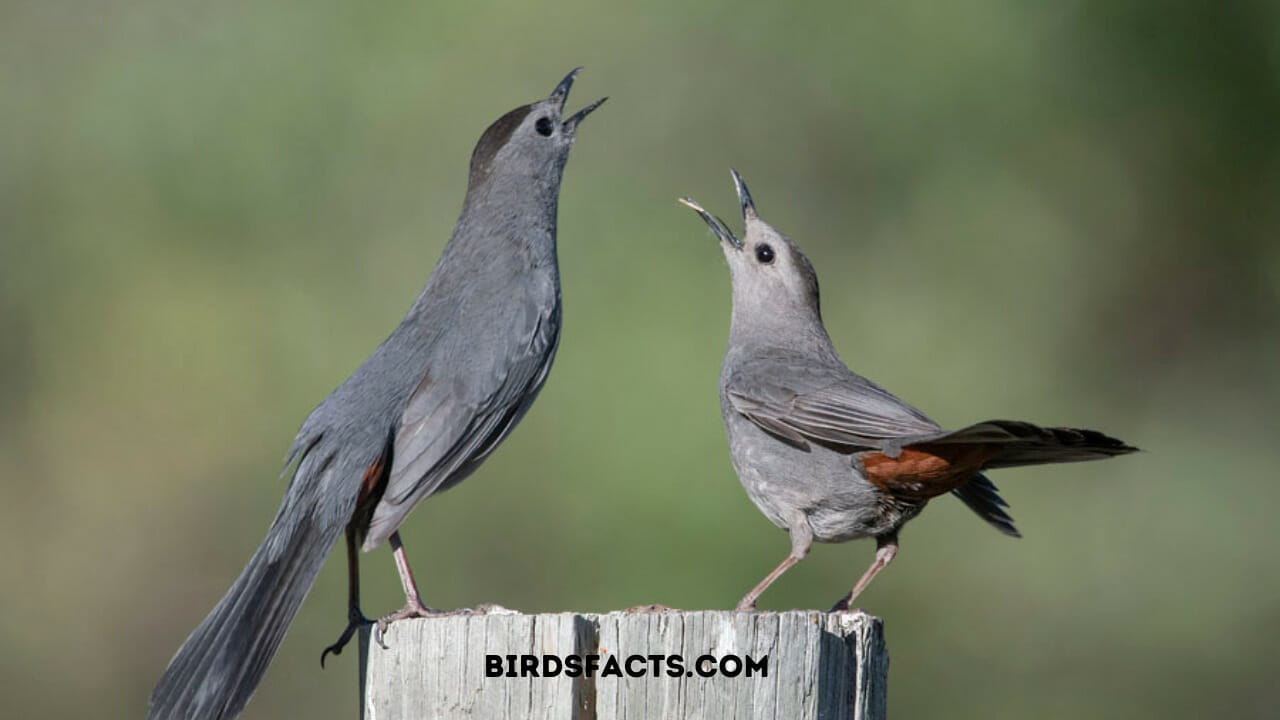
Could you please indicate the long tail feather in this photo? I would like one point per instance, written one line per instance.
(1022, 443)
(216, 670)
(1014, 444)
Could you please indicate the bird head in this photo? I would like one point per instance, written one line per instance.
(770, 275)
(531, 142)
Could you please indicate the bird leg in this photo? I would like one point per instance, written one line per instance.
(886, 549)
(413, 606)
(801, 540)
(355, 618)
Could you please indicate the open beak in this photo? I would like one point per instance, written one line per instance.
(561, 95)
(744, 196)
(717, 225)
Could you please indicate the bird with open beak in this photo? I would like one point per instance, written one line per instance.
(416, 418)
(826, 454)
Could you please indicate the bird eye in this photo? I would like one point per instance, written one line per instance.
(543, 126)
(764, 254)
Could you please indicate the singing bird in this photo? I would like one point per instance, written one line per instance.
(416, 418)
(826, 454)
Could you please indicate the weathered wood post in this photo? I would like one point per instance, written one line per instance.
(798, 665)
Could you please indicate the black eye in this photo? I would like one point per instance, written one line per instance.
(764, 254)
(543, 126)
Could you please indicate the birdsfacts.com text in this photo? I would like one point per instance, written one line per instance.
(635, 666)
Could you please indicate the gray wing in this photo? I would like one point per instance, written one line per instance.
(452, 422)
(801, 400)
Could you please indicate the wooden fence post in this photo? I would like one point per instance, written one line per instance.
(798, 665)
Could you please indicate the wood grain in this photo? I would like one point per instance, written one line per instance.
(819, 665)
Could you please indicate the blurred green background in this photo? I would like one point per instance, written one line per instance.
(1065, 212)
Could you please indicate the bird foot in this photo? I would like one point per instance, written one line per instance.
(745, 606)
(355, 621)
(412, 609)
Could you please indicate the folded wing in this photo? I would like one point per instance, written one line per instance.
(450, 425)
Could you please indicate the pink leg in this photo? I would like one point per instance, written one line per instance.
(413, 606)
(801, 540)
(886, 549)
(411, 596)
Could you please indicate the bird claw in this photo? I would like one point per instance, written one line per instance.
(412, 609)
(355, 621)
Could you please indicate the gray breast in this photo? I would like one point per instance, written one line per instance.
(820, 483)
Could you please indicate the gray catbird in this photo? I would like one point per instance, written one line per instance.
(417, 417)
(826, 454)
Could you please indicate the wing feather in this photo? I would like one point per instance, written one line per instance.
(799, 399)
(450, 424)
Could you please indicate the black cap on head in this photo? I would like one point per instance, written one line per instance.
(494, 137)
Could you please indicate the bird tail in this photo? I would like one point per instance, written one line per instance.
(216, 670)
(983, 497)
(1015, 444)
